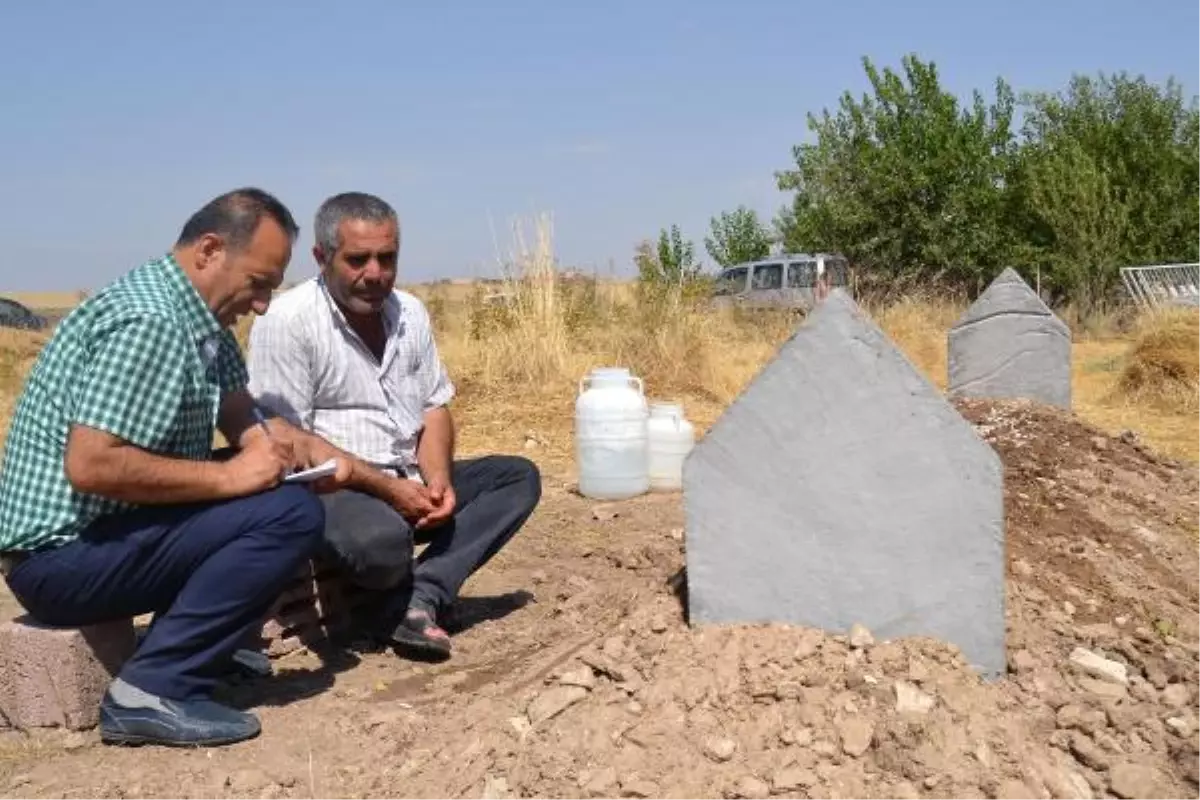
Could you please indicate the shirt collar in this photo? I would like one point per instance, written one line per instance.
(391, 309)
(199, 317)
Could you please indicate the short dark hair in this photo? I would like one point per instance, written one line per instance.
(349, 206)
(235, 216)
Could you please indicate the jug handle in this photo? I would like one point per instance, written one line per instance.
(633, 378)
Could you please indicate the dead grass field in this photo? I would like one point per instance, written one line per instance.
(517, 366)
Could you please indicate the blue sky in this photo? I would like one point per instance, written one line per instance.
(121, 118)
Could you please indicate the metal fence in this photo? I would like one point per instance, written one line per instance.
(1163, 284)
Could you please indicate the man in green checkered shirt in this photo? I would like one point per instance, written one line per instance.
(111, 502)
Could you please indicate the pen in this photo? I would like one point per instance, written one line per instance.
(260, 419)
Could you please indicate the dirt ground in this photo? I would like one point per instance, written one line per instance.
(576, 675)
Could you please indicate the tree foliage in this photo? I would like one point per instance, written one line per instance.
(671, 262)
(737, 237)
(907, 181)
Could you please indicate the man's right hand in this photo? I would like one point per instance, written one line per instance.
(260, 465)
(410, 499)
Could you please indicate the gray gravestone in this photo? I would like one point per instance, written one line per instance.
(842, 487)
(1010, 345)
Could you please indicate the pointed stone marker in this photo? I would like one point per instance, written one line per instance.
(841, 487)
(1010, 345)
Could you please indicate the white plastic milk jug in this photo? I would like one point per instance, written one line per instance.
(610, 435)
(670, 437)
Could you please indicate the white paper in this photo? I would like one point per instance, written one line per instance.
(313, 473)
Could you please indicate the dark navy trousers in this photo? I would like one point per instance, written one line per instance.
(209, 573)
(496, 495)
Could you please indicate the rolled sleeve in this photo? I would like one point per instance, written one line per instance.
(280, 371)
(135, 382)
(437, 386)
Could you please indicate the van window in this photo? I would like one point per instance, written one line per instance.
(732, 281)
(768, 276)
(836, 271)
(802, 275)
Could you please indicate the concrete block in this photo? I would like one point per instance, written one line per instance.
(1010, 345)
(841, 487)
(51, 677)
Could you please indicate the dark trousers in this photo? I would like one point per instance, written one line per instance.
(495, 495)
(209, 572)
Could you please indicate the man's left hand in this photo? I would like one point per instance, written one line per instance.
(313, 450)
(442, 495)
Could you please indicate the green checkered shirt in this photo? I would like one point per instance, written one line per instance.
(143, 359)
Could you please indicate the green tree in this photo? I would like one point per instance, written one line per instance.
(737, 237)
(905, 180)
(1075, 198)
(1109, 173)
(672, 262)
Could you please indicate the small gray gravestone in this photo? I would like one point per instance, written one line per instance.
(842, 487)
(1010, 345)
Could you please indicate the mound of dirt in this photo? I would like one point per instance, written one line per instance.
(575, 672)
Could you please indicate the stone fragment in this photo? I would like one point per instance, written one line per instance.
(1103, 689)
(1129, 780)
(1012, 790)
(639, 787)
(600, 782)
(582, 677)
(856, 733)
(1176, 695)
(720, 749)
(553, 702)
(495, 787)
(1099, 667)
(1088, 753)
(789, 779)
(752, 788)
(1179, 726)
(911, 700)
(1010, 345)
(898, 524)
(56, 677)
(860, 637)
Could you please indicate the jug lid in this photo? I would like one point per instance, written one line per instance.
(666, 408)
(610, 372)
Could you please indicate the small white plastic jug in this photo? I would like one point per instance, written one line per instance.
(670, 438)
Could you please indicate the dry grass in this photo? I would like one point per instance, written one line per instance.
(517, 363)
(1161, 369)
(48, 301)
(918, 326)
(18, 351)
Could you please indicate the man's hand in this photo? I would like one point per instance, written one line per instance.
(435, 458)
(441, 496)
(260, 465)
(339, 480)
(411, 500)
(313, 450)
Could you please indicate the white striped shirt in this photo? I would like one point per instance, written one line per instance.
(307, 365)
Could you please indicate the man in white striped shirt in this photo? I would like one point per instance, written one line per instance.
(352, 359)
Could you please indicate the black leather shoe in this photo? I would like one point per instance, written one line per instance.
(174, 723)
